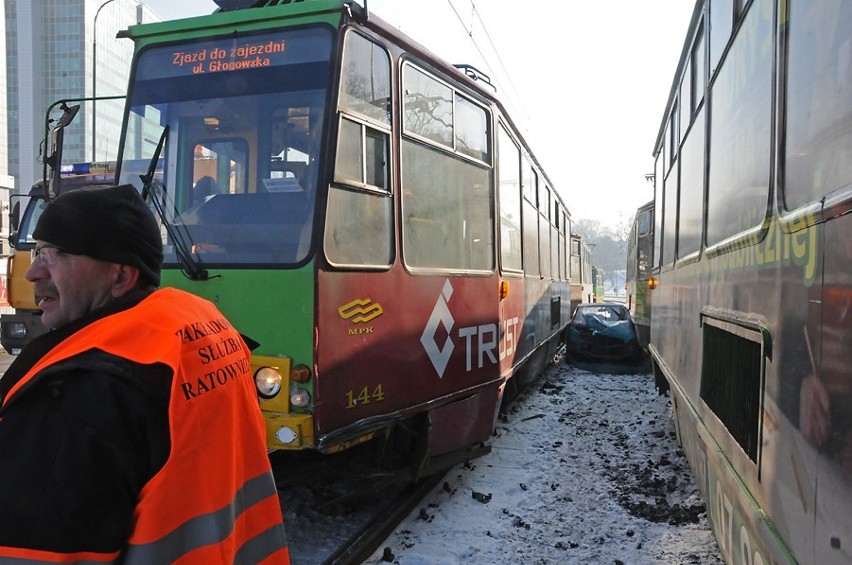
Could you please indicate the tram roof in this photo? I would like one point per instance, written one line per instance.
(271, 10)
(678, 75)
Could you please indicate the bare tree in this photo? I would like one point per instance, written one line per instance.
(621, 231)
(608, 245)
(590, 230)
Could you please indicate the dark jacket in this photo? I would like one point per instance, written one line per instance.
(77, 444)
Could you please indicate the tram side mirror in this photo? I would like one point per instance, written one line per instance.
(14, 222)
(15, 218)
(54, 161)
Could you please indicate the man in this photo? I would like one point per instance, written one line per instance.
(109, 451)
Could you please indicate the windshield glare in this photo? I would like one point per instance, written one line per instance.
(239, 166)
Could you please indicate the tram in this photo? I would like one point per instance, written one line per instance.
(597, 284)
(365, 212)
(752, 319)
(639, 282)
(582, 283)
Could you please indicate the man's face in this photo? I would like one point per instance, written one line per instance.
(68, 286)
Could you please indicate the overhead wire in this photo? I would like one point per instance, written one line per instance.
(505, 71)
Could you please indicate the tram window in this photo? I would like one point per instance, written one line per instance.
(362, 155)
(564, 237)
(359, 228)
(659, 177)
(644, 223)
(292, 141)
(546, 238)
(376, 158)
(543, 199)
(349, 154)
(670, 218)
(674, 138)
(691, 201)
(721, 25)
(738, 184)
(365, 80)
(685, 104)
(697, 69)
(253, 130)
(434, 112)
(555, 212)
(448, 207)
(531, 184)
(427, 107)
(631, 254)
(510, 202)
(471, 127)
(819, 90)
(544, 245)
(530, 227)
(219, 167)
(575, 260)
(554, 252)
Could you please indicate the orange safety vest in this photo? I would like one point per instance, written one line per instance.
(214, 501)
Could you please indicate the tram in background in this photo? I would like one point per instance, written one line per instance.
(366, 212)
(639, 282)
(582, 283)
(752, 318)
(597, 284)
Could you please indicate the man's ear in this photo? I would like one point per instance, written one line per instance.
(125, 278)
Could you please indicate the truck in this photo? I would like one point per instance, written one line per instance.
(23, 324)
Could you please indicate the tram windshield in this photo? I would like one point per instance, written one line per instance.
(241, 121)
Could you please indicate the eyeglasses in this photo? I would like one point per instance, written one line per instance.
(48, 254)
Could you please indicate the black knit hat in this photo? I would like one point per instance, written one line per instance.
(110, 223)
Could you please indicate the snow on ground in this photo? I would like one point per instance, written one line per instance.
(585, 468)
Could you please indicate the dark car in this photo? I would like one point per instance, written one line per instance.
(603, 332)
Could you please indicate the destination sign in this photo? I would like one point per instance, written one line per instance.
(235, 53)
(235, 57)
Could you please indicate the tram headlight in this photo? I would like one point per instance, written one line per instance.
(299, 398)
(268, 382)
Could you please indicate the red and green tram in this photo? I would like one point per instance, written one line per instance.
(364, 211)
(582, 282)
(752, 319)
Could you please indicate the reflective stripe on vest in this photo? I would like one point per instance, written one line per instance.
(212, 528)
(16, 556)
(214, 501)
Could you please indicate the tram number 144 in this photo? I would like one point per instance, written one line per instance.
(364, 396)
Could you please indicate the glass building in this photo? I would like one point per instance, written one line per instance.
(65, 50)
(7, 183)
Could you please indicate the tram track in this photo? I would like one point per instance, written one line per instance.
(339, 509)
(367, 539)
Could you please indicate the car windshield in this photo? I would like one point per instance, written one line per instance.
(239, 163)
(605, 313)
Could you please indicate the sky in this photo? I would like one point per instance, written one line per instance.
(584, 468)
(586, 82)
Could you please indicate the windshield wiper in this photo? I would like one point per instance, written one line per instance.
(191, 267)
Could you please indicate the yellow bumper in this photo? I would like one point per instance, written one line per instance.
(284, 429)
(289, 431)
